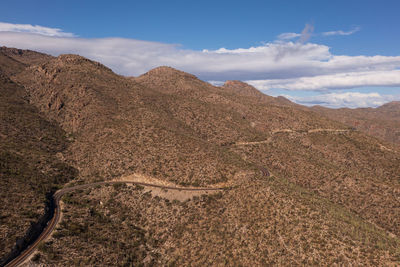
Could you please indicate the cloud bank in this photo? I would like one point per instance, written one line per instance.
(346, 99)
(286, 65)
(333, 81)
(282, 64)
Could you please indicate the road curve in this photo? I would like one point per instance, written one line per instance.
(319, 130)
(51, 225)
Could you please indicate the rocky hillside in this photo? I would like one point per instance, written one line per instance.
(222, 114)
(29, 163)
(331, 197)
(164, 115)
(382, 122)
(244, 89)
(14, 60)
(121, 127)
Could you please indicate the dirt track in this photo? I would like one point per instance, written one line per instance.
(294, 131)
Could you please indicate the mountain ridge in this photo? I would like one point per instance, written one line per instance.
(382, 122)
(324, 177)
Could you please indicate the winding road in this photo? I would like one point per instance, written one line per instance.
(319, 130)
(57, 211)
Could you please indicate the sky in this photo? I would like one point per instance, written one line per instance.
(331, 53)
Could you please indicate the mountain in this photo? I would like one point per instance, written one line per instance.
(14, 60)
(382, 122)
(244, 89)
(121, 127)
(29, 164)
(326, 194)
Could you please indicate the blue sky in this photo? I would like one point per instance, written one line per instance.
(343, 51)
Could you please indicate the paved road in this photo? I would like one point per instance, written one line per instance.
(57, 212)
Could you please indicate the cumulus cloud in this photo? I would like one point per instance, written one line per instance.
(332, 81)
(133, 57)
(284, 64)
(346, 99)
(340, 32)
(9, 27)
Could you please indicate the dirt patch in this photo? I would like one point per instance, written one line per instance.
(180, 195)
(170, 194)
(141, 178)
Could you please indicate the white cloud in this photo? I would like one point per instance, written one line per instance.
(288, 35)
(133, 57)
(304, 36)
(8, 27)
(346, 99)
(284, 65)
(340, 32)
(306, 33)
(332, 81)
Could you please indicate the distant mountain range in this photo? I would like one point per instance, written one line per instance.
(382, 122)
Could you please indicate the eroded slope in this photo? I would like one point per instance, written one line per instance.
(29, 167)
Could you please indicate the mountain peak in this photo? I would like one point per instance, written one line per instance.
(163, 71)
(169, 80)
(242, 88)
(72, 59)
(234, 83)
(27, 57)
